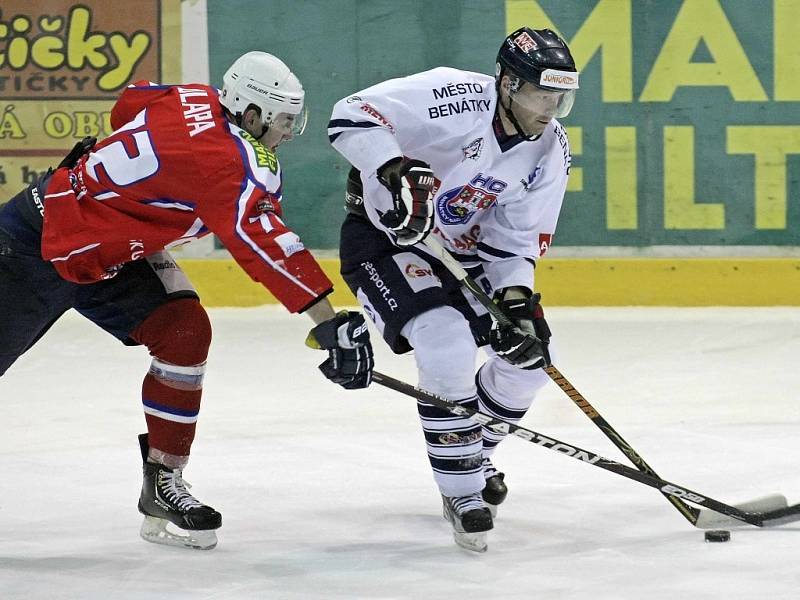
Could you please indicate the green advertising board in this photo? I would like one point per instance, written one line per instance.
(686, 130)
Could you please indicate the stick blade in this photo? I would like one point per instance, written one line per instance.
(710, 519)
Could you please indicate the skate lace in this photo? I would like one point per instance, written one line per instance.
(173, 486)
(463, 504)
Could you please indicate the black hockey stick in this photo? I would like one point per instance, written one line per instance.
(769, 518)
(695, 516)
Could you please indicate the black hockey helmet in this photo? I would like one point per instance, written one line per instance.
(530, 53)
(541, 58)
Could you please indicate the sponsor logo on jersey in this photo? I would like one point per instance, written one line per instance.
(384, 290)
(352, 99)
(417, 271)
(561, 134)
(264, 156)
(545, 239)
(137, 249)
(525, 42)
(473, 149)
(457, 89)
(414, 270)
(458, 205)
(374, 113)
(163, 266)
(527, 183)
(290, 243)
(456, 108)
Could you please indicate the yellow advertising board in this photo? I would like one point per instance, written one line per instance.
(63, 63)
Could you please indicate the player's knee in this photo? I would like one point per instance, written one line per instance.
(445, 351)
(178, 332)
(514, 386)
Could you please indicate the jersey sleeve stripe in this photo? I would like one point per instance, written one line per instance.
(242, 207)
(74, 252)
(485, 249)
(348, 124)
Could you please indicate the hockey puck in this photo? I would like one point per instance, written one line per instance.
(718, 535)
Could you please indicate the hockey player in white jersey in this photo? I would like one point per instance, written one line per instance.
(481, 164)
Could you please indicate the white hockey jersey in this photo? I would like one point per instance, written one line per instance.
(495, 204)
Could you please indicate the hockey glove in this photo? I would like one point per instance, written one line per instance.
(78, 150)
(411, 183)
(523, 344)
(346, 339)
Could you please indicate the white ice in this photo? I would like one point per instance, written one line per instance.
(327, 493)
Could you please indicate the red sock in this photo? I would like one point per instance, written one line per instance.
(178, 335)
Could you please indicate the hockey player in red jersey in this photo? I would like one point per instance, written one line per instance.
(184, 161)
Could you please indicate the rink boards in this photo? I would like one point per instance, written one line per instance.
(573, 282)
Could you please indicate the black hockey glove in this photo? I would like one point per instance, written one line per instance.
(411, 183)
(523, 344)
(78, 150)
(346, 339)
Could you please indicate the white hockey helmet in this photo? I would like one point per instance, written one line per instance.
(264, 80)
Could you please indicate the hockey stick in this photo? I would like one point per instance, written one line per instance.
(769, 518)
(695, 516)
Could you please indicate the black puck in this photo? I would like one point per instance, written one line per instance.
(718, 535)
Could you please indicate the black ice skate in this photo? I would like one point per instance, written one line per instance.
(166, 500)
(495, 491)
(470, 520)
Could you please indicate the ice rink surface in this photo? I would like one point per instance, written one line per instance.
(328, 494)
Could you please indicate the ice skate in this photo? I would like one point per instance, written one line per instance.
(166, 501)
(470, 520)
(495, 491)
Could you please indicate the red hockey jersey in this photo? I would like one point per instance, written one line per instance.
(174, 170)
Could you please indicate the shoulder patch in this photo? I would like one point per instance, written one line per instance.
(264, 156)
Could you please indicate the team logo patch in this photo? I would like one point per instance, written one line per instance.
(460, 204)
(527, 183)
(473, 149)
(545, 239)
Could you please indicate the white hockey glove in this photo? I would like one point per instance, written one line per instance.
(346, 338)
(523, 344)
(411, 183)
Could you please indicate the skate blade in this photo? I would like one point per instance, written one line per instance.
(475, 542)
(155, 530)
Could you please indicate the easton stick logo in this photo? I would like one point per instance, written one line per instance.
(503, 427)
